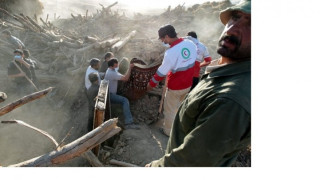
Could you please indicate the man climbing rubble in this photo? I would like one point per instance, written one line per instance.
(203, 57)
(178, 66)
(113, 76)
(20, 71)
(214, 121)
(14, 41)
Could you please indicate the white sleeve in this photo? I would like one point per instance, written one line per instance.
(166, 65)
(206, 52)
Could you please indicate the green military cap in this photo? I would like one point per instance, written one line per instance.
(244, 6)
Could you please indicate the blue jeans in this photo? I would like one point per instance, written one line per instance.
(116, 99)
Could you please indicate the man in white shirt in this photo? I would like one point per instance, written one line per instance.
(93, 68)
(203, 57)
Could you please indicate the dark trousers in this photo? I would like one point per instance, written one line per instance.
(90, 118)
(195, 81)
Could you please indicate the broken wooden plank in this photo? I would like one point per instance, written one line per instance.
(100, 109)
(10, 107)
(75, 148)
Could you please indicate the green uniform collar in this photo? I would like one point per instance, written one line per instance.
(230, 69)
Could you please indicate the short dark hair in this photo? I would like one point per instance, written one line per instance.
(167, 30)
(94, 61)
(26, 53)
(93, 77)
(18, 51)
(108, 55)
(112, 61)
(6, 32)
(192, 34)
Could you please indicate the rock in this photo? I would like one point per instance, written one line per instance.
(120, 151)
(105, 155)
(149, 121)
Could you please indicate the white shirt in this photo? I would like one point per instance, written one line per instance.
(86, 78)
(202, 50)
(113, 76)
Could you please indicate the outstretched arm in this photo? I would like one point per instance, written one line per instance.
(127, 75)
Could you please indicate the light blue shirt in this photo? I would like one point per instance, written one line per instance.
(113, 76)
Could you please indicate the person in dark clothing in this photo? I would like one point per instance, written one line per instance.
(104, 65)
(92, 94)
(33, 66)
(19, 78)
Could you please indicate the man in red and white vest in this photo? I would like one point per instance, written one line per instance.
(178, 66)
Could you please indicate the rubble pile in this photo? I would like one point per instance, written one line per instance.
(63, 47)
(146, 109)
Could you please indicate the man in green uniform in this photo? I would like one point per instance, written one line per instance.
(213, 123)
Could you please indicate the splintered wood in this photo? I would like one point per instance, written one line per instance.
(24, 100)
(75, 148)
(102, 109)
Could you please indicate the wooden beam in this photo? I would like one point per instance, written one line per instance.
(93, 160)
(24, 100)
(117, 46)
(121, 163)
(100, 108)
(109, 42)
(75, 148)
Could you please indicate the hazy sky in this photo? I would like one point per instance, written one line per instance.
(63, 8)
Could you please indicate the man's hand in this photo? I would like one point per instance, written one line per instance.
(149, 88)
(20, 60)
(22, 74)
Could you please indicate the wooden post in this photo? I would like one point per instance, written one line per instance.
(100, 108)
